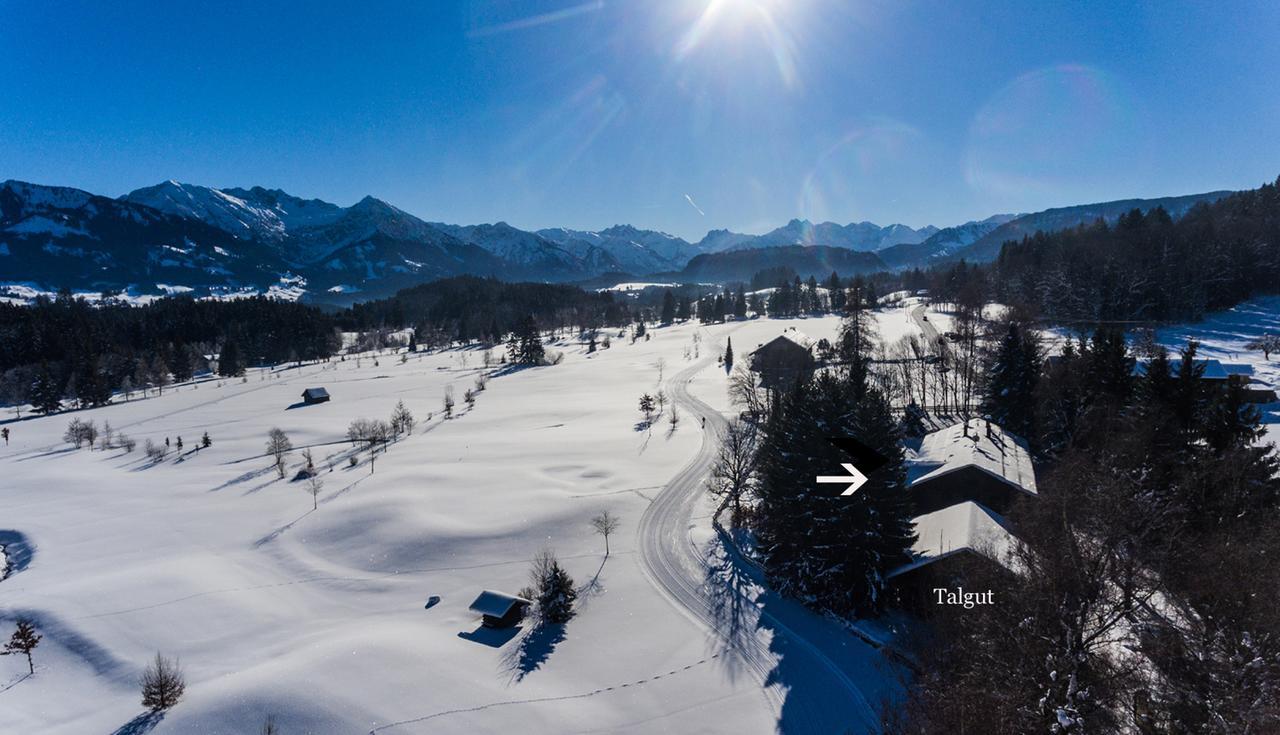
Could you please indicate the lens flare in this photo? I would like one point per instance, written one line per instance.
(853, 167)
(1040, 129)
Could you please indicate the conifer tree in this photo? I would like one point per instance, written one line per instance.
(1012, 374)
(230, 364)
(46, 391)
(818, 544)
(553, 588)
(728, 354)
(23, 641)
(668, 307)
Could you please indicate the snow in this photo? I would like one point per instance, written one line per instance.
(966, 526)
(638, 286)
(976, 443)
(37, 196)
(317, 616)
(40, 225)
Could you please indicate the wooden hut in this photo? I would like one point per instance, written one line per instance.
(312, 396)
(498, 609)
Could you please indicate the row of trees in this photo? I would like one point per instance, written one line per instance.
(1148, 266)
(66, 351)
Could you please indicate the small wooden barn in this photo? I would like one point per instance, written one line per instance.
(971, 461)
(783, 359)
(498, 609)
(312, 396)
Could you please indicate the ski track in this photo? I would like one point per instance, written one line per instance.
(679, 569)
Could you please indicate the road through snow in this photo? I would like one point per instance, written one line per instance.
(818, 677)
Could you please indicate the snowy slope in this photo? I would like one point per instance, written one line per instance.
(635, 251)
(222, 210)
(318, 616)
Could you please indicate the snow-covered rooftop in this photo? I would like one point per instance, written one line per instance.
(791, 334)
(1213, 369)
(967, 526)
(984, 445)
(496, 604)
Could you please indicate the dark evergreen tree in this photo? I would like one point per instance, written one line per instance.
(525, 345)
(835, 292)
(668, 307)
(46, 390)
(819, 545)
(728, 354)
(180, 363)
(1012, 374)
(685, 310)
(230, 364)
(91, 388)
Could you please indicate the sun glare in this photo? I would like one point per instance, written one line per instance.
(738, 20)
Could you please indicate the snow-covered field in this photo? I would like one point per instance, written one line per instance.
(319, 618)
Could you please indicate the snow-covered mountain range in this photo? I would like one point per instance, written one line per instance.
(176, 236)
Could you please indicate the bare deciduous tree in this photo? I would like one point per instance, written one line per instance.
(314, 486)
(746, 391)
(278, 445)
(162, 684)
(1267, 344)
(735, 468)
(402, 421)
(605, 524)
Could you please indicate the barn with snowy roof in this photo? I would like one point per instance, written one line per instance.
(948, 543)
(499, 609)
(971, 461)
(784, 359)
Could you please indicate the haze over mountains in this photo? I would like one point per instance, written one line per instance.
(182, 237)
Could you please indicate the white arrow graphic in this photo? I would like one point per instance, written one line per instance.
(855, 479)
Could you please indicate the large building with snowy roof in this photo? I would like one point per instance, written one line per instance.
(971, 461)
(784, 359)
(949, 540)
(961, 479)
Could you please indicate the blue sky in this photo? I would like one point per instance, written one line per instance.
(680, 115)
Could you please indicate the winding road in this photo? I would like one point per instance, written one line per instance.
(926, 327)
(817, 676)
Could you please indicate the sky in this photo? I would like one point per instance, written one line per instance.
(677, 115)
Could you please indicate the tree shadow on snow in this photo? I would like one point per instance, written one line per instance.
(49, 453)
(532, 650)
(17, 552)
(746, 613)
(140, 725)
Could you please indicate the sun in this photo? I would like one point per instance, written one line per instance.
(767, 21)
